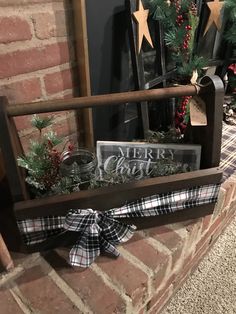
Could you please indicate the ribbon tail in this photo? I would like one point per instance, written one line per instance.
(86, 249)
(116, 232)
(113, 233)
(108, 247)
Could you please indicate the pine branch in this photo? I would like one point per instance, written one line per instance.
(41, 123)
(186, 68)
(230, 34)
(171, 40)
(180, 22)
(37, 148)
(53, 139)
(43, 160)
(230, 14)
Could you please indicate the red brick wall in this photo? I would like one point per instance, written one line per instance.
(36, 55)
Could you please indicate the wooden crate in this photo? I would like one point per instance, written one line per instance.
(209, 137)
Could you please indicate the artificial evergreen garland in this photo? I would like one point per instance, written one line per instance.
(230, 13)
(180, 21)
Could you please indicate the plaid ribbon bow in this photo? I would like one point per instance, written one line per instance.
(97, 232)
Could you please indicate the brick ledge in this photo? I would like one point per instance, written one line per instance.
(153, 265)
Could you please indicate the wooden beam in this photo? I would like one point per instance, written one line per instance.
(102, 100)
(11, 149)
(82, 56)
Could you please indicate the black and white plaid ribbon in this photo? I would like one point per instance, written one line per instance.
(101, 231)
(228, 155)
(98, 232)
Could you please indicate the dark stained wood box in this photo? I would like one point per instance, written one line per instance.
(211, 91)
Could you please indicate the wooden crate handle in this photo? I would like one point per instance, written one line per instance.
(102, 100)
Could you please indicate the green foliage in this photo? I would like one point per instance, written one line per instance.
(230, 14)
(167, 167)
(171, 136)
(41, 123)
(187, 68)
(108, 179)
(162, 12)
(232, 82)
(230, 35)
(42, 160)
(180, 21)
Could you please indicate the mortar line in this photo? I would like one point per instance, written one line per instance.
(117, 288)
(65, 288)
(141, 266)
(23, 303)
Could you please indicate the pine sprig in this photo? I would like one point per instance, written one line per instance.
(42, 161)
(52, 139)
(41, 123)
(187, 68)
(161, 11)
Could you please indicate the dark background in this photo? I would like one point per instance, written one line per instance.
(111, 66)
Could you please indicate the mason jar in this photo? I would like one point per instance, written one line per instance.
(80, 162)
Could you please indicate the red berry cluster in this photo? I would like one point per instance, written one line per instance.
(71, 147)
(54, 159)
(184, 102)
(177, 5)
(179, 20)
(180, 114)
(187, 37)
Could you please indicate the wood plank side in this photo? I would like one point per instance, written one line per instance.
(69, 238)
(11, 149)
(209, 137)
(114, 196)
(8, 226)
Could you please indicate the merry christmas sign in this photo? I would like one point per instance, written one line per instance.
(141, 159)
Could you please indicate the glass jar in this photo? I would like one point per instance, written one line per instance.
(80, 162)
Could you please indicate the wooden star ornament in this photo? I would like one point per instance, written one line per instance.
(141, 17)
(215, 8)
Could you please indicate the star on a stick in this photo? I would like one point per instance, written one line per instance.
(141, 17)
(215, 8)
